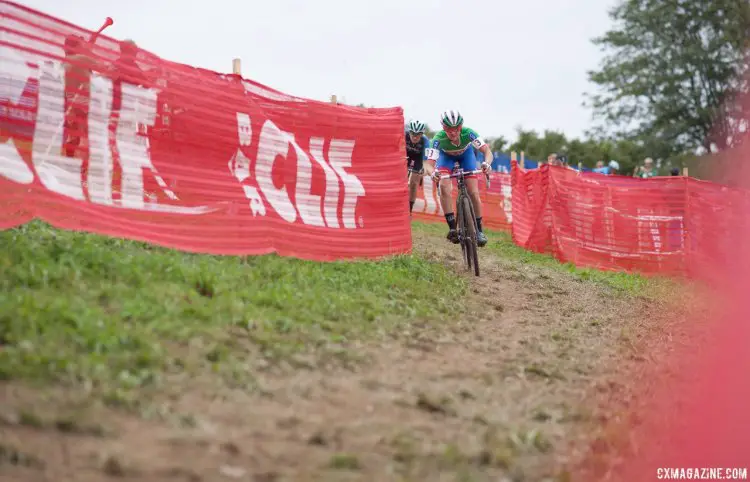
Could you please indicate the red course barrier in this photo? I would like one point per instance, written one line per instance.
(107, 138)
(664, 225)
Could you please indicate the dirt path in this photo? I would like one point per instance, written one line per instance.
(508, 393)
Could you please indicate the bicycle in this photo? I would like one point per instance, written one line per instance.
(466, 223)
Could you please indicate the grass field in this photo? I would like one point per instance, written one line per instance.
(361, 369)
(113, 315)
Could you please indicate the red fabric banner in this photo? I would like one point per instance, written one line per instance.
(107, 138)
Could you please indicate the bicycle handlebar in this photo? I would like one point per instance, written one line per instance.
(462, 173)
(467, 173)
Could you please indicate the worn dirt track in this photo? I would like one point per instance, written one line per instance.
(508, 393)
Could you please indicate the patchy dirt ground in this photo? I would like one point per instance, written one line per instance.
(511, 392)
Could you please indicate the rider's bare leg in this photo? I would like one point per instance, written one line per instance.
(446, 187)
(447, 203)
(473, 187)
(414, 178)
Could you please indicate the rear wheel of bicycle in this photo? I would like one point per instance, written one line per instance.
(470, 233)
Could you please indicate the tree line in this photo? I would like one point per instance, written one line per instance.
(670, 87)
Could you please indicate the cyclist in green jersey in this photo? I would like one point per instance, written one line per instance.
(456, 143)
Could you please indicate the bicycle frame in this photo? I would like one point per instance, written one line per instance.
(466, 236)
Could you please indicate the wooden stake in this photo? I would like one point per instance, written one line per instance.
(236, 66)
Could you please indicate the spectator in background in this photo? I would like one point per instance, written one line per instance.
(675, 171)
(609, 170)
(556, 159)
(647, 170)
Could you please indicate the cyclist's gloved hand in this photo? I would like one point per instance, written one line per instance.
(486, 168)
(436, 175)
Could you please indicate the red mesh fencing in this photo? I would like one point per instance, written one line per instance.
(99, 135)
(662, 225)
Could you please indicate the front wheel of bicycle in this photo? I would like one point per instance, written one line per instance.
(462, 231)
(470, 233)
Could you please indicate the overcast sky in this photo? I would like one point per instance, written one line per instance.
(502, 63)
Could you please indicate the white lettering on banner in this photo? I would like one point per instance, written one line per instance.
(244, 129)
(13, 166)
(272, 144)
(239, 165)
(13, 80)
(340, 156)
(314, 210)
(57, 173)
(62, 174)
(99, 178)
(507, 192)
(137, 113)
(332, 183)
(647, 221)
(307, 202)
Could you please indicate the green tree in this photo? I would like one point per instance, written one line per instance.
(553, 141)
(538, 147)
(671, 66)
(497, 143)
(529, 142)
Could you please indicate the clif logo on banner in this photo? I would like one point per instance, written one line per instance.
(124, 139)
(121, 139)
(312, 209)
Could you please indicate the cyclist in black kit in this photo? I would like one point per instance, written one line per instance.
(416, 144)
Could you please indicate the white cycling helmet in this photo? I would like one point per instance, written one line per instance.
(416, 127)
(451, 118)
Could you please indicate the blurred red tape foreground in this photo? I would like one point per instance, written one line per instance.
(107, 138)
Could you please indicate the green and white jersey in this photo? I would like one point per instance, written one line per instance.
(466, 139)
